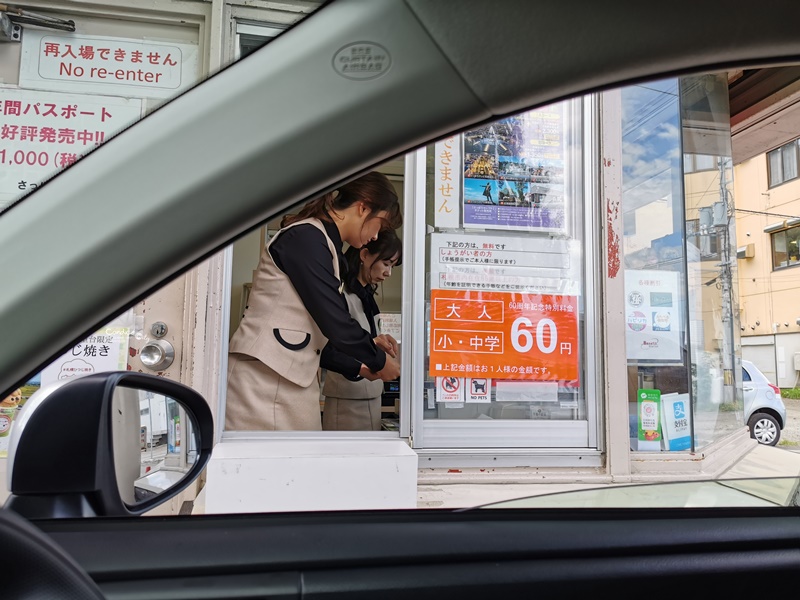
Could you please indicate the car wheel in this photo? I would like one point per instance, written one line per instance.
(765, 429)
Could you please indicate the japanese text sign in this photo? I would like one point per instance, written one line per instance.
(42, 132)
(105, 350)
(499, 262)
(504, 335)
(447, 188)
(106, 65)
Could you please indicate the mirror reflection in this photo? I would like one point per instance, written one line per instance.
(154, 443)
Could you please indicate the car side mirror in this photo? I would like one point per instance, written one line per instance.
(108, 444)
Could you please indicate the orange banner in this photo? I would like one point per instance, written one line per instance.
(504, 335)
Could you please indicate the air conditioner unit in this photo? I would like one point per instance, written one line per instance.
(797, 361)
(748, 251)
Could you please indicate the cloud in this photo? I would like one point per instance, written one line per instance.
(668, 131)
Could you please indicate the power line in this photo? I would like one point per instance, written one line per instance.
(761, 212)
(658, 91)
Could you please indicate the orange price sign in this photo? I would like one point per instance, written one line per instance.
(504, 335)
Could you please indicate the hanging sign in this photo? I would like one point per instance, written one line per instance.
(504, 335)
(106, 65)
(447, 187)
(43, 132)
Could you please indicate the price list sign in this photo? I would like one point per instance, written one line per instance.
(504, 335)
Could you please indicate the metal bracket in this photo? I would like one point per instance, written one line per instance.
(9, 32)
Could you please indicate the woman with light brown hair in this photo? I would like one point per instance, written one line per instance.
(296, 308)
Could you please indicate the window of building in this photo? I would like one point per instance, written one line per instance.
(252, 37)
(694, 163)
(786, 248)
(675, 180)
(782, 164)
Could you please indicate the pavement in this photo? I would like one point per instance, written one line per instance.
(790, 436)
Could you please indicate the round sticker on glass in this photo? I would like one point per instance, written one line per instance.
(637, 320)
(635, 298)
(362, 61)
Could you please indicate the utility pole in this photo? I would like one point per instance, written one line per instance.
(726, 281)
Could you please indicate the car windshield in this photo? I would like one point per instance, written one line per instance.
(593, 293)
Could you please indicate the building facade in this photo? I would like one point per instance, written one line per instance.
(767, 194)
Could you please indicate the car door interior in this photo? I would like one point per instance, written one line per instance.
(452, 66)
(38, 567)
(435, 554)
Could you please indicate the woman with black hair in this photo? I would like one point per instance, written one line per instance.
(296, 309)
(356, 405)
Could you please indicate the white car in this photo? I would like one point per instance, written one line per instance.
(765, 413)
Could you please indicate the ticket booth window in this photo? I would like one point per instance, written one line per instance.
(509, 309)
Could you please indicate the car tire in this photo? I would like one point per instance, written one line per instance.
(765, 429)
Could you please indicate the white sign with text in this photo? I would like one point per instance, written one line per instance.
(653, 316)
(105, 350)
(106, 65)
(500, 262)
(44, 132)
(447, 186)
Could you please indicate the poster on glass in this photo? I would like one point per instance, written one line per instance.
(514, 173)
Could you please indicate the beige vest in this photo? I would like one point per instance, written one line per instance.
(276, 327)
(337, 385)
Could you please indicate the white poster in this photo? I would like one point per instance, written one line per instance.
(44, 132)
(106, 65)
(390, 324)
(493, 261)
(447, 186)
(450, 389)
(652, 316)
(106, 350)
(479, 390)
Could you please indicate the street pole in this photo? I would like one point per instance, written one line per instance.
(726, 277)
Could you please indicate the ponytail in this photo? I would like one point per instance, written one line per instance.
(316, 209)
(373, 189)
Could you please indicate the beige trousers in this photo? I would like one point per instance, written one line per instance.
(258, 399)
(342, 414)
